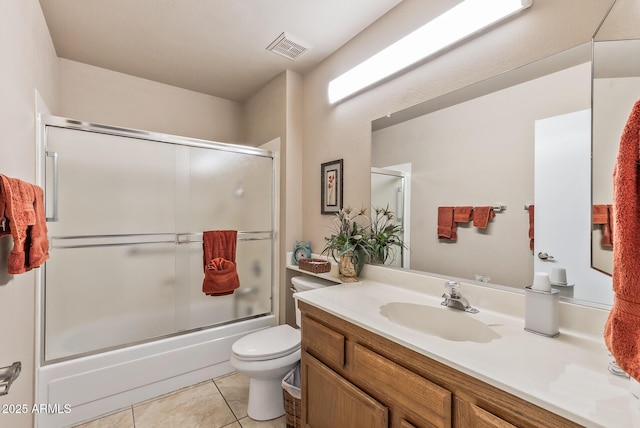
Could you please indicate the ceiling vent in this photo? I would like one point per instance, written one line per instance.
(287, 47)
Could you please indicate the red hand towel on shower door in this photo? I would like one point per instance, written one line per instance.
(219, 262)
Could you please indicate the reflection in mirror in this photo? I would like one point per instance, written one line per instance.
(475, 147)
(616, 87)
(391, 188)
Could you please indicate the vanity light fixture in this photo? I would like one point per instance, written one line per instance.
(463, 20)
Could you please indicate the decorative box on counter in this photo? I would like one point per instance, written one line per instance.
(315, 265)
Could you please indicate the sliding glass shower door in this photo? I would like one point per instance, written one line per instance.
(126, 214)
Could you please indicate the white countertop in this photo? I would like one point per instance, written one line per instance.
(566, 375)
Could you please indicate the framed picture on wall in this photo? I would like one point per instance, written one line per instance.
(331, 191)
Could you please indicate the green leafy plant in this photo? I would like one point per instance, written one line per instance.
(348, 235)
(384, 235)
(374, 240)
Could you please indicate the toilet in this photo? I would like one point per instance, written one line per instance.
(267, 355)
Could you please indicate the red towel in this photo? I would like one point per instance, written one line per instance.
(531, 226)
(446, 225)
(462, 214)
(599, 214)
(610, 223)
(622, 330)
(219, 262)
(482, 215)
(23, 206)
(602, 217)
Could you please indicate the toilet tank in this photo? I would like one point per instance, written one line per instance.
(305, 283)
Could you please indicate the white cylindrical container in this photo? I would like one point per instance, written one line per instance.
(541, 281)
(542, 312)
(558, 276)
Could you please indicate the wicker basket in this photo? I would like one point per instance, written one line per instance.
(292, 398)
(314, 265)
(292, 407)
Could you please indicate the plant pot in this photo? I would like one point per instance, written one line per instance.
(377, 259)
(348, 268)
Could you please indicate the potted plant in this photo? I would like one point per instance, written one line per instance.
(349, 241)
(384, 236)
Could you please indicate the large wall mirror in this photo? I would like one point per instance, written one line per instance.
(616, 87)
(521, 141)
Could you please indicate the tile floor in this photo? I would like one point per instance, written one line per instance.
(217, 403)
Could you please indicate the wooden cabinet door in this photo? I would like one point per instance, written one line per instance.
(469, 415)
(410, 397)
(330, 401)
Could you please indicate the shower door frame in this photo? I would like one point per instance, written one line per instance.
(45, 121)
(405, 223)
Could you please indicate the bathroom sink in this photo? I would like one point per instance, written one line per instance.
(440, 321)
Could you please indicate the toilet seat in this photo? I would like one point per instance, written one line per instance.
(267, 344)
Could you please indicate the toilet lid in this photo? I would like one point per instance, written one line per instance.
(267, 344)
(306, 282)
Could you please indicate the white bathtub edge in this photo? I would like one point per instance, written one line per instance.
(108, 382)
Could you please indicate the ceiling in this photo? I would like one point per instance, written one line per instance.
(216, 47)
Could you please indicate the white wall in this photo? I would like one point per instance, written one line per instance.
(275, 111)
(29, 63)
(98, 95)
(344, 130)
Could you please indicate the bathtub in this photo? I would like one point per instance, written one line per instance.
(84, 388)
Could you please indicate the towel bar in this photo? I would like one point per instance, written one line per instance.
(8, 375)
(146, 238)
(188, 238)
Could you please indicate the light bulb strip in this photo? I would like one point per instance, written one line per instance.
(458, 23)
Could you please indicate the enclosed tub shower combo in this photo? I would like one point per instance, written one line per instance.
(122, 314)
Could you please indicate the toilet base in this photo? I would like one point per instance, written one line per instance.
(265, 399)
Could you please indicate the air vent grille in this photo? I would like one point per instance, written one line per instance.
(287, 47)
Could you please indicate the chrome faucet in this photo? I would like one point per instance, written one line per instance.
(454, 299)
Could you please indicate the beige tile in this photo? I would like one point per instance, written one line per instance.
(236, 424)
(198, 406)
(123, 419)
(280, 422)
(235, 390)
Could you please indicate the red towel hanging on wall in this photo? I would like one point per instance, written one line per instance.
(602, 216)
(22, 205)
(446, 226)
(531, 210)
(482, 215)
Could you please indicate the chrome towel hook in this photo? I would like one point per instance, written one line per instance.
(544, 256)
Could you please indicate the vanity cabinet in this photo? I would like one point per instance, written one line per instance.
(469, 415)
(339, 402)
(354, 378)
